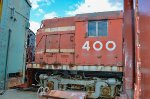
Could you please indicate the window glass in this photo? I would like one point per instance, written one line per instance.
(98, 28)
(92, 28)
(102, 28)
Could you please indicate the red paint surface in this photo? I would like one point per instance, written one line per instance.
(67, 41)
(51, 43)
(58, 22)
(50, 58)
(74, 40)
(103, 57)
(142, 49)
(136, 28)
(128, 54)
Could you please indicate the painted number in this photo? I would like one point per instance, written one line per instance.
(113, 45)
(97, 43)
(86, 46)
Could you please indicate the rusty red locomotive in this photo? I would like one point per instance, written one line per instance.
(82, 53)
(89, 40)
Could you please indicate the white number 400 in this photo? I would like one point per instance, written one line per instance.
(86, 46)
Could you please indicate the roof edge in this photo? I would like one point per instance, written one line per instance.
(29, 3)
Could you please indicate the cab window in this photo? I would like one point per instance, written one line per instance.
(97, 28)
(92, 28)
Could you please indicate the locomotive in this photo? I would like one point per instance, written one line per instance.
(81, 54)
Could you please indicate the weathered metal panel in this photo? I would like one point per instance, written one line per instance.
(103, 56)
(128, 47)
(18, 27)
(65, 58)
(58, 29)
(40, 48)
(52, 46)
(50, 58)
(142, 49)
(58, 22)
(67, 47)
(40, 42)
(55, 41)
(67, 42)
(3, 43)
(15, 17)
(52, 43)
(99, 15)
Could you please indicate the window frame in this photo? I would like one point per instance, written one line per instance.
(97, 26)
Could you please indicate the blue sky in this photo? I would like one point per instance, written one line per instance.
(47, 9)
